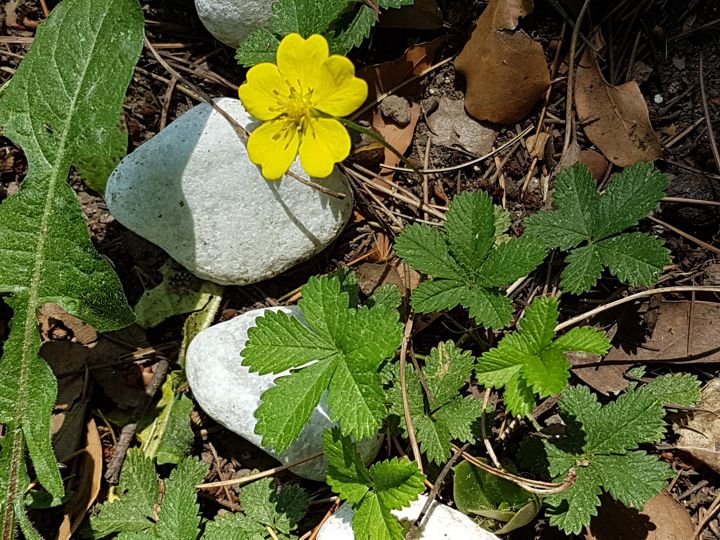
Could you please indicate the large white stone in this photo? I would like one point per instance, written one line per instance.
(228, 392)
(442, 522)
(230, 21)
(193, 191)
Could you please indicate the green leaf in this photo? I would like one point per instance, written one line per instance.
(674, 389)
(168, 435)
(179, 292)
(600, 446)
(529, 361)
(356, 31)
(470, 228)
(305, 17)
(260, 46)
(468, 261)
(234, 527)
(60, 106)
(179, 514)
(583, 215)
(138, 491)
(634, 258)
(373, 493)
(424, 248)
(444, 414)
(348, 346)
(584, 268)
(513, 259)
(630, 197)
(279, 507)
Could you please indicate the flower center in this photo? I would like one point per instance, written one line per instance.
(299, 106)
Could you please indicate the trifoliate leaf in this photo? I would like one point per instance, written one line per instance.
(466, 261)
(443, 414)
(600, 446)
(61, 106)
(179, 513)
(281, 508)
(585, 216)
(348, 344)
(529, 362)
(138, 491)
(373, 493)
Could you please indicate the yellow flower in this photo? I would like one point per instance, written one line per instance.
(298, 100)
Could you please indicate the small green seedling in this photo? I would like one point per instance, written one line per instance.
(600, 448)
(466, 261)
(531, 361)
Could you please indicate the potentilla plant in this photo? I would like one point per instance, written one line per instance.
(299, 100)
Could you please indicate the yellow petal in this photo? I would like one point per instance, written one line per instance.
(274, 146)
(339, 91)
(324, 142)
(263, 90)
(299, 60)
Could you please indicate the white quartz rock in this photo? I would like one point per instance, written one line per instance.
(229, 393)
(230, 21)
(193, 191)
(442, 522)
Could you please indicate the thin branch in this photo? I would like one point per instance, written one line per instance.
(403, 385)
(706, 112)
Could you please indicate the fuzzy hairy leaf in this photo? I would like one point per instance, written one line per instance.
(179, 513)
(347, 344)
(373, 493)
(234, 527)
(278, 507)
(443, 414)
(585, 216)
(62, 106)
(469, 260)
(528, 361)
(138, 491)
(345, 24)
(600, 446)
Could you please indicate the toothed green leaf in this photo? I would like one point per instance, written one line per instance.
(584, 215)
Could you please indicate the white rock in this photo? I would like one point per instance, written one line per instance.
(230, 21)
(229, 393)
(442, 522)
(193, 191)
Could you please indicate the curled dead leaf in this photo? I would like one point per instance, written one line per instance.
(506, 71)
(536, 144)
(662, 518)
(700, 436)
(614, 118)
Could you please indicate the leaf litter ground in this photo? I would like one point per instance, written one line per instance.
(154, 101)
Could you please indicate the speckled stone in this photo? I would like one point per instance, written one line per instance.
(228, 392)
(193, 191)
(230, 21)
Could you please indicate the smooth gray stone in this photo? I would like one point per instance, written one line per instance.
(230, 21)
(193, 191)
(228, 392)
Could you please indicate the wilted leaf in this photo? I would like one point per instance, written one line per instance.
(382, 78)
(614, 118)
(670, 341)
(700, 437)
(451, 127)
(506, 71)
(662, 518)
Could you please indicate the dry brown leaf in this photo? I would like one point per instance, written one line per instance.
(370, 276)
(670, 341)
(596, 162)
(422, 15)
(614, 118)
(451, 127)
(87, 483)
(604, 377)
(536, 144)
(506, 72)
(382, 78)
(662, 518)
(700, 436)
